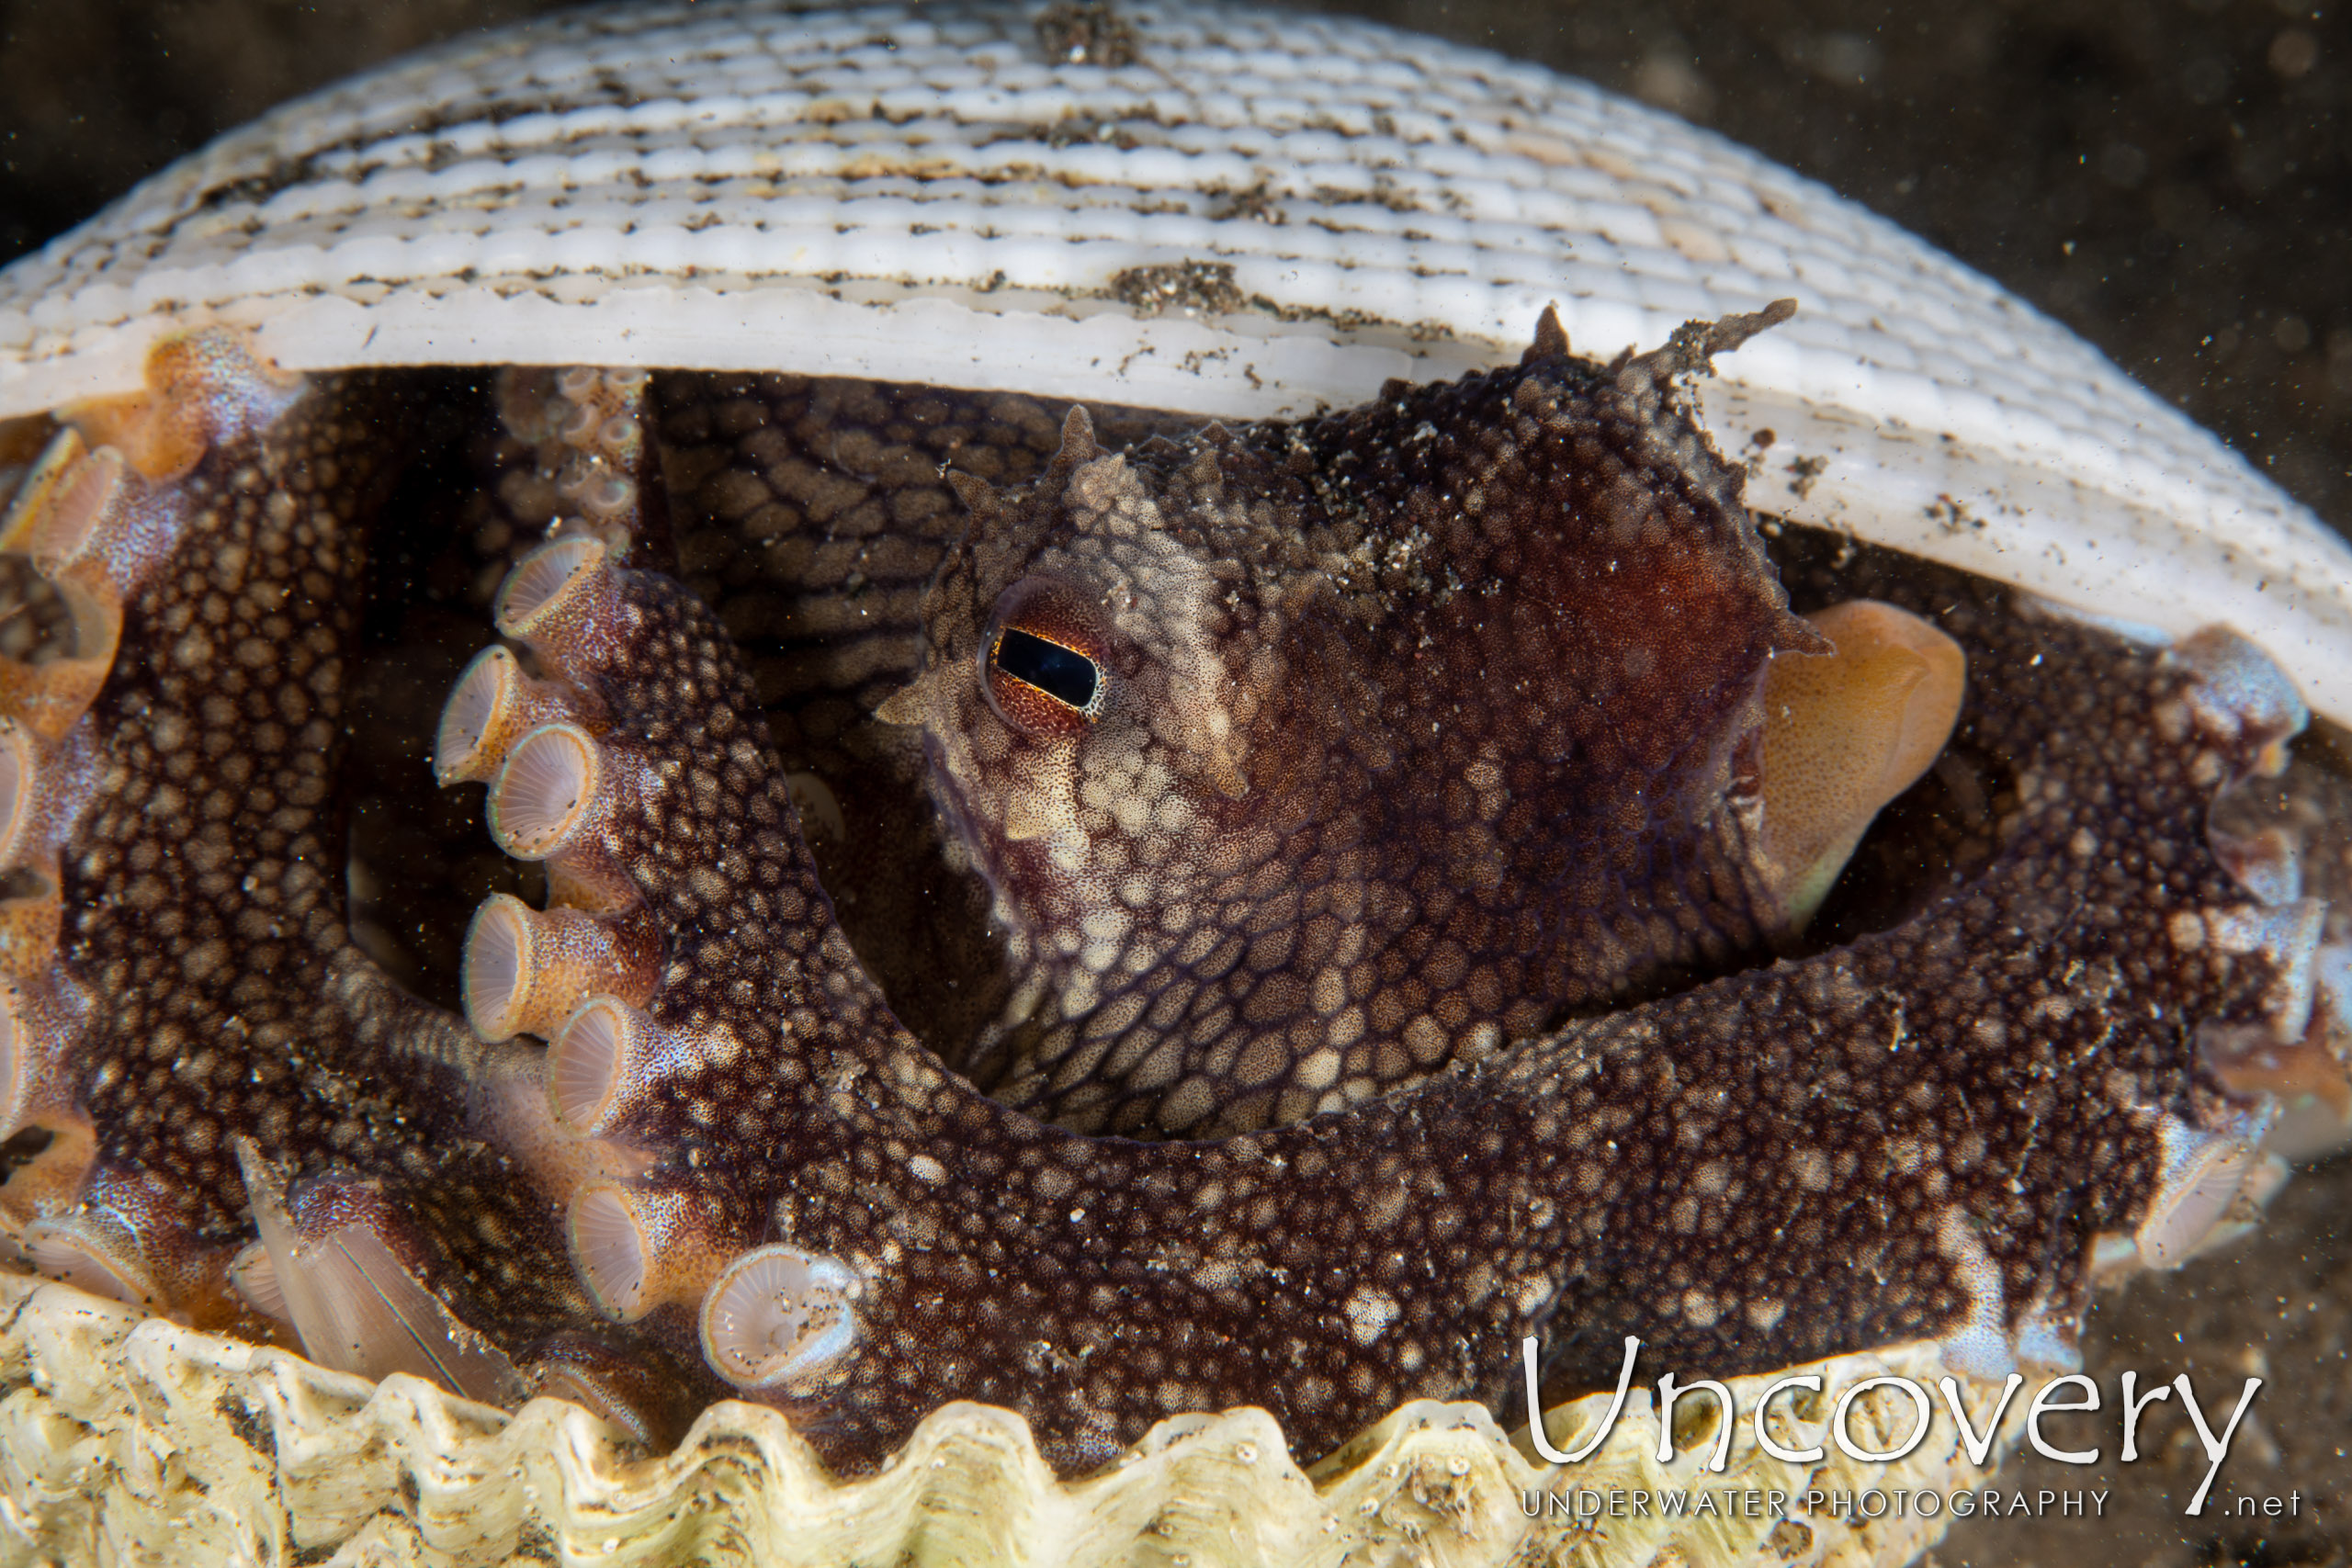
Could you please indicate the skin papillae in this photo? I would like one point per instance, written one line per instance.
(1900, 1136)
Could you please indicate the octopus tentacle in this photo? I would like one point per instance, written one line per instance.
(525, 969)
(493, 705)
(590, 467)
(102, 516)
(196, 1042)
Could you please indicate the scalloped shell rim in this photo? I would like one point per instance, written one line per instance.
(272, 1448)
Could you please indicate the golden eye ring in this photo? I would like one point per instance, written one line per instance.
(1042, 660)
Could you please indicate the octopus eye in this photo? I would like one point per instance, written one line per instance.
(1043, 666)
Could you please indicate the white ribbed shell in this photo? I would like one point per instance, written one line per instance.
(923, 196)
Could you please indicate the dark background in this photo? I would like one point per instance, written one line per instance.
(2173, 179)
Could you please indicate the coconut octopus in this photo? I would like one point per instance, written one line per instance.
(1377, 866)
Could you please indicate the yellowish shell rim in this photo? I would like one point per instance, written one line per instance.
(266, 1445)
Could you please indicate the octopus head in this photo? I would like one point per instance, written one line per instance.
(1088, 688)
(1302, 759)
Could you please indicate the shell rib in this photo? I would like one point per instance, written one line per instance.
(761, 186)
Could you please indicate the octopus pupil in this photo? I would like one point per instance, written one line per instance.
(1061, 673)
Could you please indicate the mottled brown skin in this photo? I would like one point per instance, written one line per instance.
(1761, 1168)
(1419, 735)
